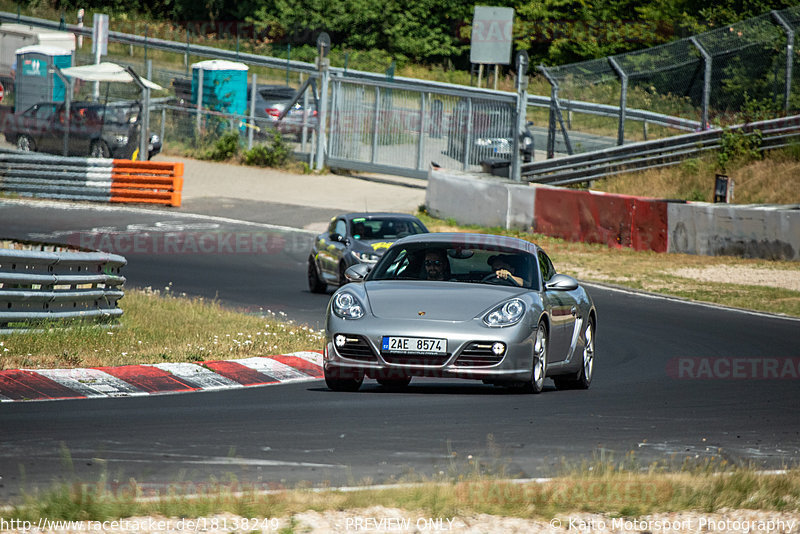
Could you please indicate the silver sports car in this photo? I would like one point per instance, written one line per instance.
(450, 305)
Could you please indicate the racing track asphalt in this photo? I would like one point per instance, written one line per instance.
(286, 434)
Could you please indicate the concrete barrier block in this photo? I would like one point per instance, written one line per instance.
(769, 232)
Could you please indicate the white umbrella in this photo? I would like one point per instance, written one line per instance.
(107, 72)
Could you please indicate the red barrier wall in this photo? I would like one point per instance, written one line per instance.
(615, 220)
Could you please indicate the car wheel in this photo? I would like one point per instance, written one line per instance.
(539, 371)
(25, 143)
(584, 377)
(394, 382)
(338, 379)
(99, 149)
(315, 285)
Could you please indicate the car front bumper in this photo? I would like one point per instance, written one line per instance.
(469, 349)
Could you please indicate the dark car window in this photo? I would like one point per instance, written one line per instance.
(341, 227)
(41, 111)
(384, 228)
(548, 271)
(278, 93)
(465, 264)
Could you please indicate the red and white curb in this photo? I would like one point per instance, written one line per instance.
(151, 379)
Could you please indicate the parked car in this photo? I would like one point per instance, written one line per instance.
(95, 129)
(489, 135)
(272, 100)
(353, 238)
(452, 305)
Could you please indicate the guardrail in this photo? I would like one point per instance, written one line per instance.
(775, 133)
(93, 179)
(37, 286)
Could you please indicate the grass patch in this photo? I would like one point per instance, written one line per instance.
(602, 488)
(659, 273)
(157, 327)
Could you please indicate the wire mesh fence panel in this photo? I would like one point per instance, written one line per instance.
(748, 62)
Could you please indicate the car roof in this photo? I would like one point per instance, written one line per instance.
(458, 238)
(376, 215)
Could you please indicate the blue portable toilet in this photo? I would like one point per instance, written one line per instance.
(224, 85)
(34, 82)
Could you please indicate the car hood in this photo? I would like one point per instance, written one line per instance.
(442, 301)
(377, 246)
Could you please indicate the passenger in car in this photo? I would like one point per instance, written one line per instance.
(501, 265)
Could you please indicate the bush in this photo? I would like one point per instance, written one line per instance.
(274, 154)
(225, 148)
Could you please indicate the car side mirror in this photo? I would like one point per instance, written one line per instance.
(336, 237)
(561, 282)
(357, 272)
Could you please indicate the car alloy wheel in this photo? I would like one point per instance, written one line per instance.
(99, 149)
(586, 371)
(539, 371)
(25, 143)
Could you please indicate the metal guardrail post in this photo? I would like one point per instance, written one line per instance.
(144, 131)
(323, 64)
(467, 136)
(199, 105)
(623, 99)
(252, 118)
(551, 125)
(67, 105)
(421, 140)
(789, 57)
(706, 80)
(374, 154)
(520, 113)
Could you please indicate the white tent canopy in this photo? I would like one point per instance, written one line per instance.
(106, 72)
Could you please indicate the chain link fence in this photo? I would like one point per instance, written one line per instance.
(732, 74)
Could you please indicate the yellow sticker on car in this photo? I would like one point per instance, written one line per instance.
(381, 244)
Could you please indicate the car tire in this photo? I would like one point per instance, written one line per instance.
(25, 143)
(394, 382)
(540, 350)
(99, 149)
(315, 285)
(586, 372)
(338, 379)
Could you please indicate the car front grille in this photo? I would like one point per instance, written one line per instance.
(355, 348)
(415, 359)
(479, 354)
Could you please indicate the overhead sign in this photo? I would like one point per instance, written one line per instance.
(100, 33)
(491, 35)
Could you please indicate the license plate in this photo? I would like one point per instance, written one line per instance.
(414, 345)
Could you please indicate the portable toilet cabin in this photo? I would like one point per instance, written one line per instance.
(224, 86)
(35, 80)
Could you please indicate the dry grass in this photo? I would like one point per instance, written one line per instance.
(160, 327)
(595, 488)
(774, 180)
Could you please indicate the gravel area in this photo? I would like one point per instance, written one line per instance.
(391, 520)
(739, 274)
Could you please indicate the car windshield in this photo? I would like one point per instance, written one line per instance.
(464, 263)
(384, 228)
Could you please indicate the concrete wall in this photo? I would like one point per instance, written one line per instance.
(473, 199)
(770, 232)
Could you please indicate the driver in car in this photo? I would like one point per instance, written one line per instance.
(436, 265)
(503, 269)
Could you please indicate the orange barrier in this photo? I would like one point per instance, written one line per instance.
(152, 182)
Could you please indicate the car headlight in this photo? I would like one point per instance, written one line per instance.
(506, 314)
(365, 257)
(347, 306)
(121, 139)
